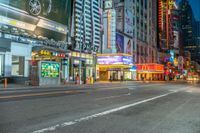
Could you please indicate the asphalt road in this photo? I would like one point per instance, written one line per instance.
(106, 108)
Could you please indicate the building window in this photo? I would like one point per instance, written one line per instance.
(17, 66)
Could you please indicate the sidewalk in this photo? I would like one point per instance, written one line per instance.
(22, 86)
(105, 83)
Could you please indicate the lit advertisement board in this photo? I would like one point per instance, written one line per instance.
(50, 69)
(119, 43)
(128, 45)
(115, 60)
(37, 18)
(128, 17)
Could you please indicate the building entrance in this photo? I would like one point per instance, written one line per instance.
(116, 75)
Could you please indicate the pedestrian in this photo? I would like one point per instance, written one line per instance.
(77, 79)
(110, 78)
(122, 78)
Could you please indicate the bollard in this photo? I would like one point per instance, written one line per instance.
(5, 83)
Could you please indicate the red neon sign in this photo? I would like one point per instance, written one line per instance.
(150, 67)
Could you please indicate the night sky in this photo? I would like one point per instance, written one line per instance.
(195, 7)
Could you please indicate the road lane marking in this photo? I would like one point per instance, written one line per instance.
(110, 97)
(37, 94)
(127, 87)
(57, 92)
(69, 123)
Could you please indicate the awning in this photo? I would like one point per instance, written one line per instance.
(115, 66)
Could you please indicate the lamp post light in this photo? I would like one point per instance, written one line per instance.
(80, 48)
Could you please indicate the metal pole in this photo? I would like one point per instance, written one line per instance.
(80, 52)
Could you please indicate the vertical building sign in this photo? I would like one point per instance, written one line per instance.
(109, 29)
(171, 4)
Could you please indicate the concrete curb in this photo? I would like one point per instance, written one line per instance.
(84, 85)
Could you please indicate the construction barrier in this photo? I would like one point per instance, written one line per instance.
(91, 80)
(5, 83)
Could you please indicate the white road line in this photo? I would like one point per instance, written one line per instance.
(52, 128)
(128, 86)
(110, 97)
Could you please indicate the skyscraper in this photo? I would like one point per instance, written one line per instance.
(187, 23)
(86, 34)
(197, 40)
(87, 24)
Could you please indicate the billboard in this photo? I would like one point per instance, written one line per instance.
(114, 60)
(128, 45)
(119, 43)
(128, 17)
(36, 18)
(120, 18)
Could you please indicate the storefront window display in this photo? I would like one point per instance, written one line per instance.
(50, 70)
(86, 61)
(17, 65)
(127, 75)
(150, 71)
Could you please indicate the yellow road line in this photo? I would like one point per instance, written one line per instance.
(37, 94)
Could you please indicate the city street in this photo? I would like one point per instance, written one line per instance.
(128, 107)
(99, 66)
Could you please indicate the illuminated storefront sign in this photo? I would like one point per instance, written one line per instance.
(17, 23)
(50, 53)
(150, 67)
(112, 60)
(171, 4)
(83, 55)
(109, 30)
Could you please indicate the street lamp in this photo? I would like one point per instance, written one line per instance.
(80, 48)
